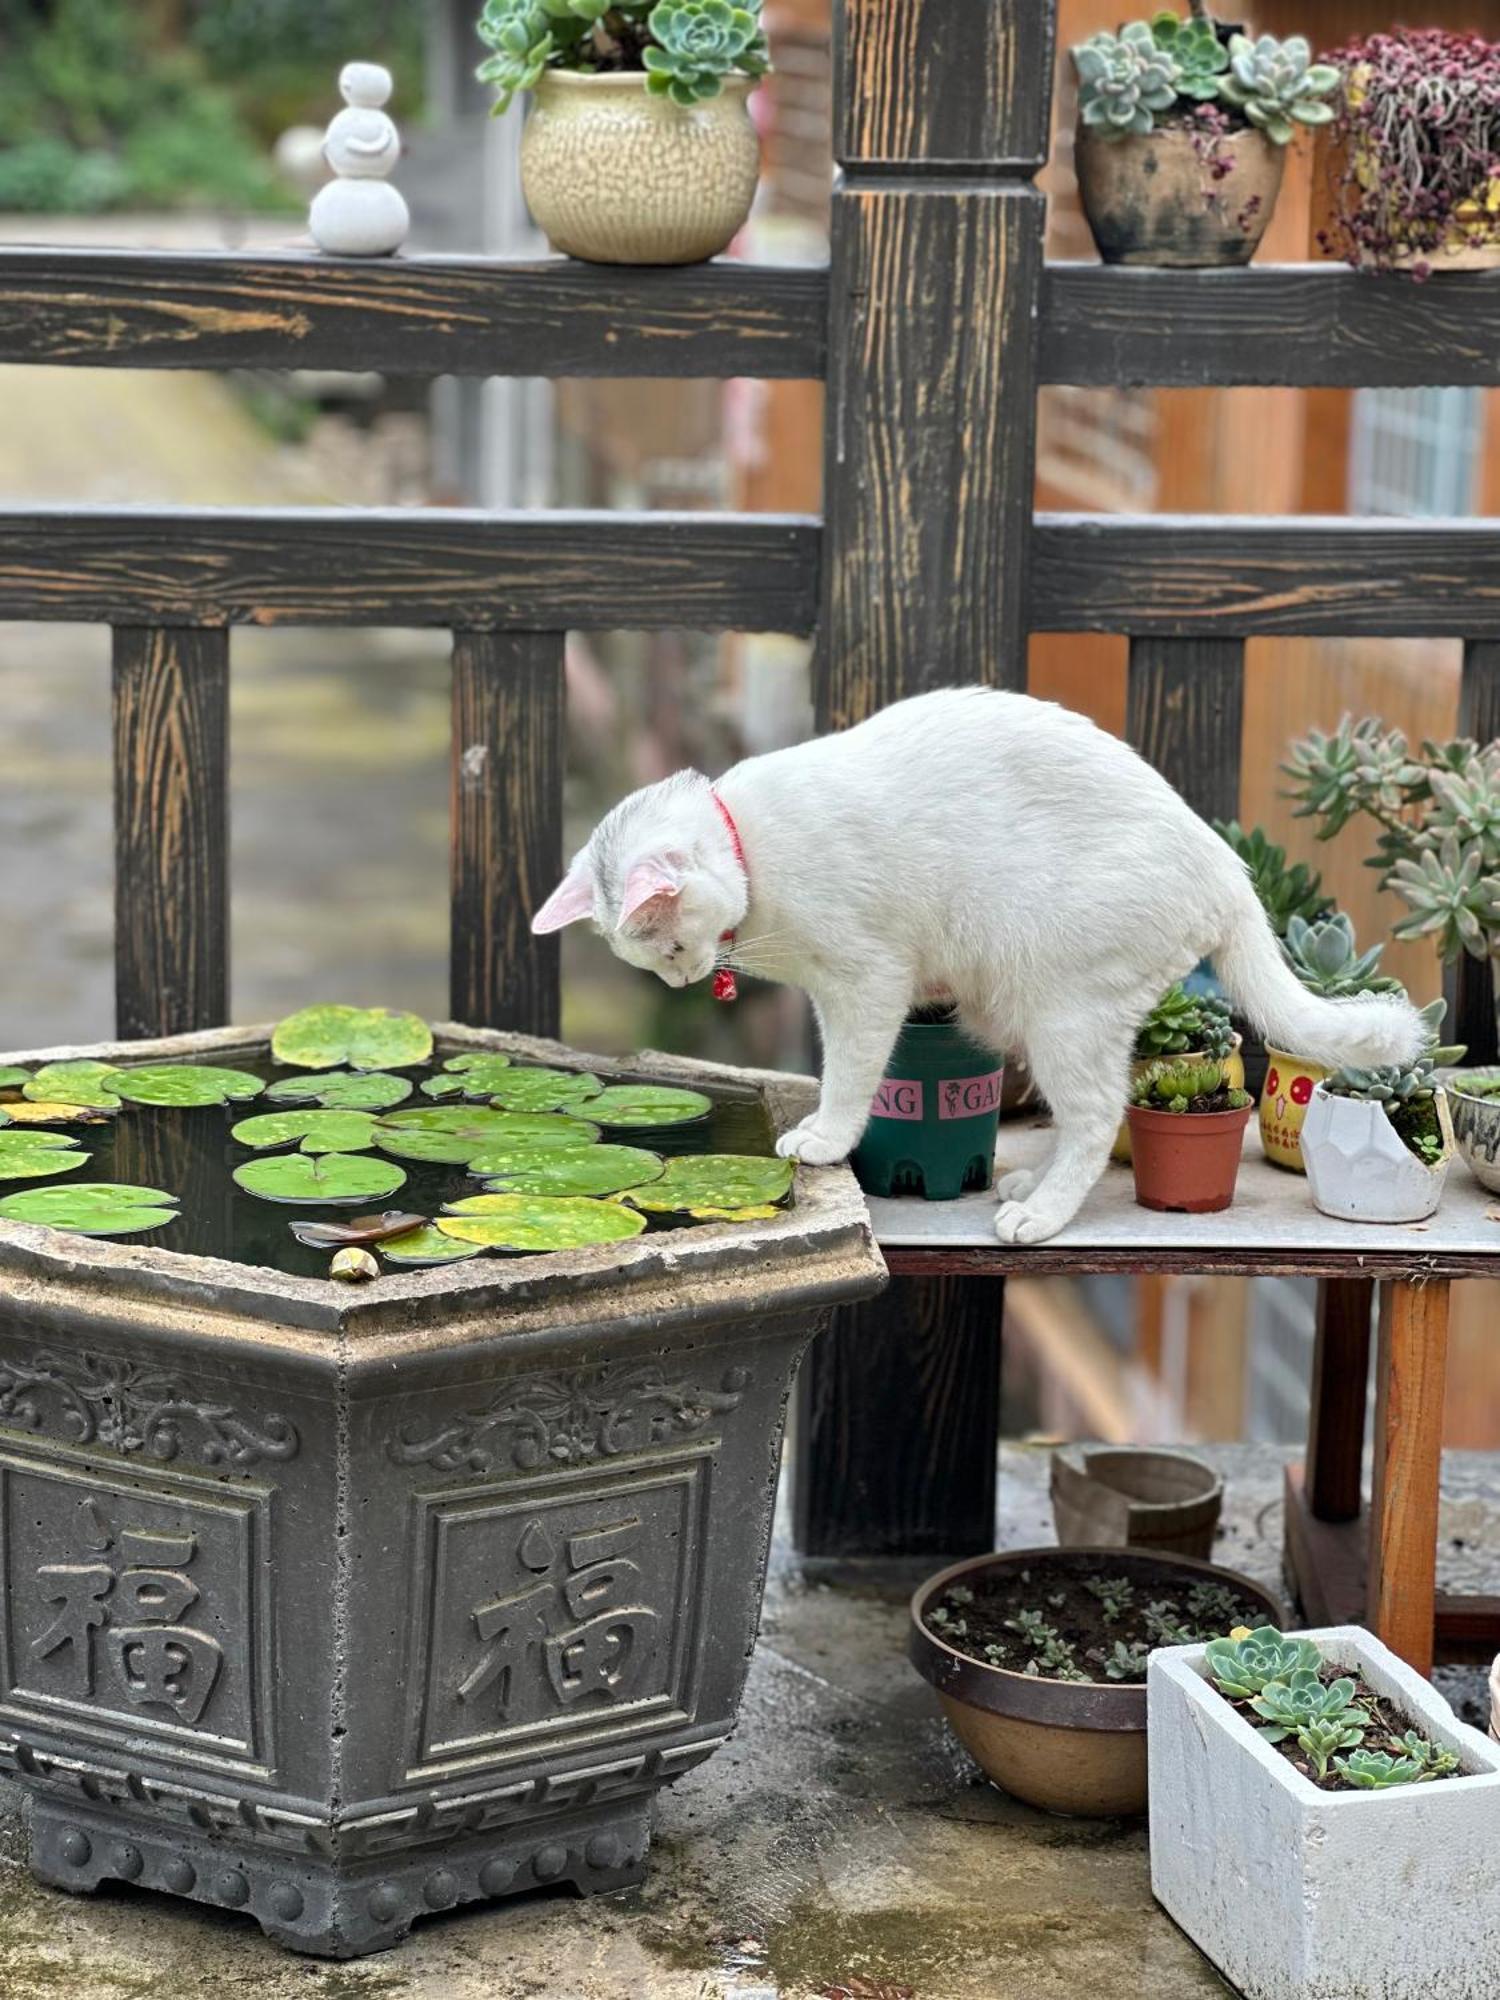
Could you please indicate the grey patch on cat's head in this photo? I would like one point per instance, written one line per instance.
(643, 823)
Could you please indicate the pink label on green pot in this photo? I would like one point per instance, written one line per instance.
(969, 1096)
(898, 1097)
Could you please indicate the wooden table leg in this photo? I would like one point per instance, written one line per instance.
(1340, 1387)
(1412, 1362)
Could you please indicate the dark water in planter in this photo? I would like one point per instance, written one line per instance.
(189, 1153)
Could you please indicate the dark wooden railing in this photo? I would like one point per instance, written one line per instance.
(934, 324)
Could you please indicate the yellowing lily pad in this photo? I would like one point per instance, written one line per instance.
(32, 1156)
(343, 1091)
(181, 1085)
(564, 1170)
(728, 1187)
(326, 1178)
(531, 1222)
(21, 1111)
(74, 1083)
(92, 1208)
(427, 1245)
(648, 1104)
(316, 1131)
(365, 1038)
(473, 1075)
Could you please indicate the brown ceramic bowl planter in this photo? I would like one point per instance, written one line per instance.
(1177, 196)
(1075, 1747)
(1186, 1161)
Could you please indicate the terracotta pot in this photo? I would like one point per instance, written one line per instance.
(1360, 1169)
(1476, 1125)
(1136, 1498)
(1234, 1071)
(617, 175)
(1151, 199)
(1066, 1746)
(1284, 1098)
(1186, 1161)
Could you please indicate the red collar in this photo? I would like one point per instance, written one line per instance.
(725, 986)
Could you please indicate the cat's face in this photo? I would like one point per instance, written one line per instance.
(666, 916)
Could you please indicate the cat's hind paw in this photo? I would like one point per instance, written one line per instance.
(811, 1144)
(1017, 1186)
(1017, 1222)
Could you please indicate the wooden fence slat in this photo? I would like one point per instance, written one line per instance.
(546, 571)
(171, 708)
(414, 316)
(1302, 325)
(1183, 712)
(506, 824)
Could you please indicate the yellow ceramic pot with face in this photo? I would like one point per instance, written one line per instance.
(1288, 1091)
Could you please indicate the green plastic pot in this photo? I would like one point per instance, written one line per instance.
(933, 1123)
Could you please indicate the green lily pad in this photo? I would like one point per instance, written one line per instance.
(368, 1038)
(648, 1104)
(13, 1078)
(92, 1208)
(530, 1222)
(184, 1084)
(316, 1131)
(32, 1156)
(473, 1075)
(455, 1134)
(343, 1091)
(330, 1177)
(427, 1245)
(74, 1083)
(729, 1187)
(592, 1170)
(545, 1090)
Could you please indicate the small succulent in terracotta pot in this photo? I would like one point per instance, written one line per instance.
(1187, 1126)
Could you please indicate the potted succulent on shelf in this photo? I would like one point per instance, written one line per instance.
(1182, 1027)
(1327, 961)
(1183, 127)
(1039, 1656)
(1286, 890)
(1187, 1128)
(1474, 1105)
(935, 1117)
(640, 147)
(1376, 1142)
(1417, 184)
(1318, 1771)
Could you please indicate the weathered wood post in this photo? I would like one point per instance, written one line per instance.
(941, 120)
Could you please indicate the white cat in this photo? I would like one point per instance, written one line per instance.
(969, 843)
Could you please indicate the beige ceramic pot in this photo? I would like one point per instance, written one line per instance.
(617, 175)
(1172, 197)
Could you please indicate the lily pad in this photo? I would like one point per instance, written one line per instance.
(367, 1038)
(473, 1075)
(428, 1245)
(343, 1091)
(21, 1111)
(330, 1177)
(531, 1222)
(74, 1083)
(92, 1208)
(728, 1187)
(455, 1135)
(32, 1156)
(184, 1084)
(628, 1104)
(317, 1131)
(562, 1170)
(545, 1090)
(359, 1230)
(13, 1078)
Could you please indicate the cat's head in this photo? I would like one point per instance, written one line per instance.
(659, 879)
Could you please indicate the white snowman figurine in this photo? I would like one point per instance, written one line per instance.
(359, 214)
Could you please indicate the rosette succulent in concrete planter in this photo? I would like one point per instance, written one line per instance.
(1376, 1144)
(343, 1604)
(1183, 126)
(1187, 1129)
(1474, 1106)
(640, 148)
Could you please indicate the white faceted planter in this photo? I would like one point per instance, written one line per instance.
(1300, 1894)
(1358, 1167)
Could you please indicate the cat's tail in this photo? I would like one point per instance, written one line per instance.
(1366, 1031)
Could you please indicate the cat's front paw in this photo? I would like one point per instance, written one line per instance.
(814, 1144)
(1018, 1222)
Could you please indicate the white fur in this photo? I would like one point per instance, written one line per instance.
(979, 844)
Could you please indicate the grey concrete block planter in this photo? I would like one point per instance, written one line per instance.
(1301, 1894)
(341, 1608)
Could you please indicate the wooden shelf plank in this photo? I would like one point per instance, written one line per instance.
(416, 316)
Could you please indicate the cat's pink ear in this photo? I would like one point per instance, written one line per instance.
(570, 901)
(645, 882)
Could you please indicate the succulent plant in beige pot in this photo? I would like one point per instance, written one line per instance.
(640, 148)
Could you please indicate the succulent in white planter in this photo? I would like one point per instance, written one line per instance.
(1474, 1101)
(1376, 1143)
(1300, 1888)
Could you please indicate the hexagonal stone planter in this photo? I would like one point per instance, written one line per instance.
(342, 1607)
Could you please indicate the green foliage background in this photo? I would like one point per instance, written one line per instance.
(176, 103)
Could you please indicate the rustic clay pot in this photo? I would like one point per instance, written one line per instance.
(1476, 1126)
(617, 175)
(1151, 199)
(1186, 1161)
(1284, 1098)
(1067, 1746)
(1137, 1498)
